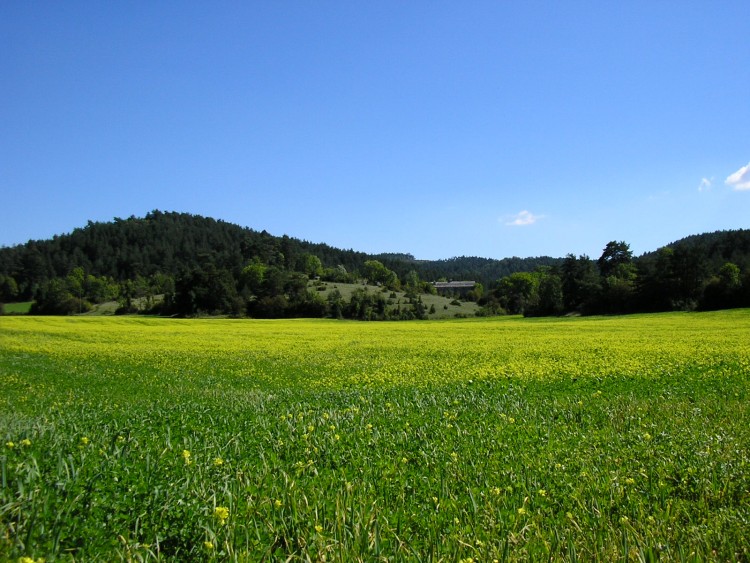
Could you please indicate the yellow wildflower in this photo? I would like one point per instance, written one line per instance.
(186, 456)
(25, 442)
(218, 461)
(221, 513)
(208, 545)
(10, 445)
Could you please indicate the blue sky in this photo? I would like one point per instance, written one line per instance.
(442, 129)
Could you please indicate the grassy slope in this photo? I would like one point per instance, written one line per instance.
(444, 309)
(21, 308)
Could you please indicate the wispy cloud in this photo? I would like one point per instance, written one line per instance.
(705, 184)
(522, 219)
(740, 180)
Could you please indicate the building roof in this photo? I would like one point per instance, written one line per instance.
(454, 284)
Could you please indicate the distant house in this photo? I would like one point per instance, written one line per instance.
(454, 287)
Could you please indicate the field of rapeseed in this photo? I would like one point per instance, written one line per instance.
(623, 438)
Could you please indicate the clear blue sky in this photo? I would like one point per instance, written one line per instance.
(438, 128)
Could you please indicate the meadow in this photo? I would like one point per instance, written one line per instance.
(508, 439)
(21, 308)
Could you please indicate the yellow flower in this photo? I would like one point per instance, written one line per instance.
(278, 504)
(208, 545)
(186, 456)
(522, 511)
(84, 441)
(319, 528)
(25, 442)
(630, 481)
(221, 513)
(542, 493)
(10, 445)
(218, 461)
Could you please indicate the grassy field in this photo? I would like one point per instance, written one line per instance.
(20, 308)
(593, 439)
(444, 307)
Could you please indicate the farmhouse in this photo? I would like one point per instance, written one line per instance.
(454, 287)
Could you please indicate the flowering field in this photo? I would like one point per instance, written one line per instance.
(623, 438)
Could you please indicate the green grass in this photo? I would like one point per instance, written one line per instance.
(592, 439)
(20, 308)
(445, 308)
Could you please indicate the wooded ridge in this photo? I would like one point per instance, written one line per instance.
(207, 266)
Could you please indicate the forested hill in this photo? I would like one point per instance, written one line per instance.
(715, 249)
(203, 265)
(172, 244)
(161, 242)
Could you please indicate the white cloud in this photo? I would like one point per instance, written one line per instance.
(523, 218)
(705, 184)
(740, 180)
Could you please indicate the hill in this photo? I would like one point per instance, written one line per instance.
(203, 265)
(714, 249)
(171, 244)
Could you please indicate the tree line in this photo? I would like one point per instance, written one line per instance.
(183, 264)
(696, 273)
